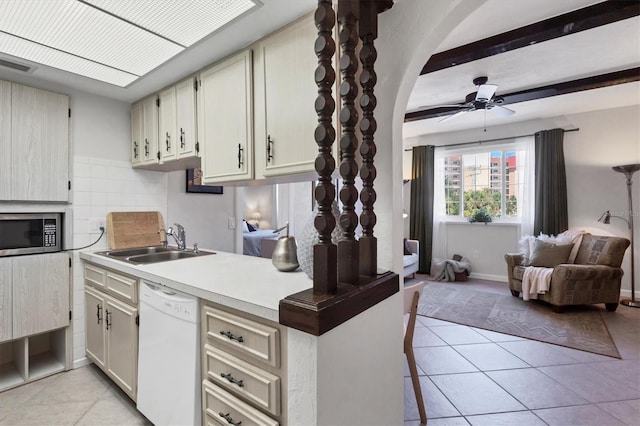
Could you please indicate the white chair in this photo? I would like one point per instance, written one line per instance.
(411, 297)
(410, 261)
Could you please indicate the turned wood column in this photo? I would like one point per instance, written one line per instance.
(325, 252)
(348, 253)
(368, 55)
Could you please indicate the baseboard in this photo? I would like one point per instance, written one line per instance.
(626, 294)
(499, 278)
(81, 362)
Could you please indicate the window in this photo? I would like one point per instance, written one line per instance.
(489, 179)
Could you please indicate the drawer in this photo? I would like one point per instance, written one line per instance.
(95, 276)
(222, 408)
(256, 340)
(123, 286)
(251, 382)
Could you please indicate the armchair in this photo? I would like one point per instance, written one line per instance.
(410, 261)
(595, 276)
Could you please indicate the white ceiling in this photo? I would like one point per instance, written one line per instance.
(601, 50)
(271, 15)
(613, 47)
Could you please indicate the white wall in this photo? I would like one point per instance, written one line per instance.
(204, 216)
(606, 138)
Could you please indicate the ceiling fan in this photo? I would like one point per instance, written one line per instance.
(482, 99)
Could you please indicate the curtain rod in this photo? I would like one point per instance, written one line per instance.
(490, 140)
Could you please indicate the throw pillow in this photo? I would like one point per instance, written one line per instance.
(525, 244)
(548, 255)
(407, 249)
(245, 226)
(250, 226)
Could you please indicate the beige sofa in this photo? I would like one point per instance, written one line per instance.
(594, 277)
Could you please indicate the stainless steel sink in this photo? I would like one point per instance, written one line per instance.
(143, 255)
(136, 251)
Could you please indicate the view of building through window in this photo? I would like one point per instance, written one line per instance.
(483, 181)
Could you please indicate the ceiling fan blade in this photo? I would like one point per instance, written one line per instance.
(500, 110)
(486, 91)
(453, 115)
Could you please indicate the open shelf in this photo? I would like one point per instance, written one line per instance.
(31, 358)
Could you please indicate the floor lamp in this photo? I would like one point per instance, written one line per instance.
(628, 171)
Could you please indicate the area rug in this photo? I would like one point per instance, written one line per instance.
(580, 328)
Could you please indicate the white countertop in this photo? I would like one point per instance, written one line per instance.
(247, 283)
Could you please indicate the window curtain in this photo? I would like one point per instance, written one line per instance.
(421, 207)
(526, 191)
(551, 215)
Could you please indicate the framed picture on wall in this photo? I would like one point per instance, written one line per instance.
(194, 183)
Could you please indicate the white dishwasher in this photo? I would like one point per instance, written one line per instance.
(168, 357)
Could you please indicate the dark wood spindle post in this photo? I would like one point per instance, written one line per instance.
(325, 252)
(368, 33)
(348, 253)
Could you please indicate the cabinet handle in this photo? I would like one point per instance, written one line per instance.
(240, 162)
(229, 419)
(108, 321)
(99, 308)
(269, 143)
(135, 149)
(146, 147)
(181, 138)
(230, 335)
(168, 138)
(232, 379)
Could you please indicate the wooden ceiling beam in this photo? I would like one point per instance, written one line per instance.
(588, 83)
(569, 23)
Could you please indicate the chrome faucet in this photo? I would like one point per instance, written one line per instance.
(178, 235)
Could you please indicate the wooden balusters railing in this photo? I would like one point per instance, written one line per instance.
(345, 279)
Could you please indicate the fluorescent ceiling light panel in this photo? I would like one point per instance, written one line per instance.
(112, 41)
(183, 21)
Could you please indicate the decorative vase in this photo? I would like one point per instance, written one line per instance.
(309, 237)
(284, 256)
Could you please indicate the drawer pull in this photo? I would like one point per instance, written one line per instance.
(232, 379)
(228, 418)
(230, 335)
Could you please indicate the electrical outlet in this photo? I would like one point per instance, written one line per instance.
(95, 224)
(232, 223)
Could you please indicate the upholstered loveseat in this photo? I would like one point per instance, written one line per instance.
(594, 277)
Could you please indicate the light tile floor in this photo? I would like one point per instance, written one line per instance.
(468, 376)
(474, 377)
(84, 396)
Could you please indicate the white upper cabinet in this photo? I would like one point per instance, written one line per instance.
(285, 93)
(149, 149)
(136, 133)
(225, 120)
(167, 121)
(186, 142)
(34, 144)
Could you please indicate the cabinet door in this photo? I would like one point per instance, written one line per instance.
(186, 118)
(225, 120)
(167, 115)
(149, 150)
(122, 344)
(136, 133)
(6, 321)
(40, 144)
(285, 90)
(94, 325)
(6, 176)
(40, 293)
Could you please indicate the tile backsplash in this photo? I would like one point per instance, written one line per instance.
(100, 186)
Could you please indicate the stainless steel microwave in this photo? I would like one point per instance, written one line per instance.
(29, 233)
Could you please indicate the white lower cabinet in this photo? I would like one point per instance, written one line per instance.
(242, 367)
(112, 326)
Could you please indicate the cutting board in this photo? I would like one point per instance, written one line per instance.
(134, 229)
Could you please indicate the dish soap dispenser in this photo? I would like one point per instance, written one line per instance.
(285, 253)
